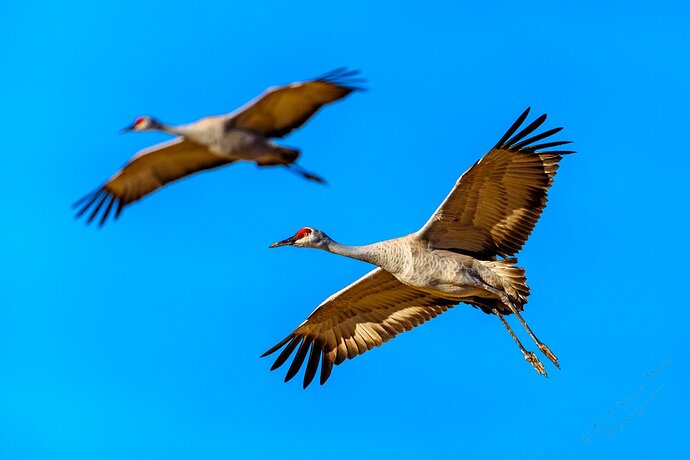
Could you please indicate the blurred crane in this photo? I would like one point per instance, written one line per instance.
(243, 135)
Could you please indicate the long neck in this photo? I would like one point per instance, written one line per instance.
(382, 254)
(367, 253)
(170, 129)
(202, 134)
(156, 125)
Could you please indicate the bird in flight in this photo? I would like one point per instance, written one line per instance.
(464, 253)
(244, 135)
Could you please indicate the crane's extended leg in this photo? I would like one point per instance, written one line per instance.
(542, 347)
(529, 356)
(507, 302)
(300, 171)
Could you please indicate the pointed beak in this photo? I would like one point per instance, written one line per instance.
(127, 129)
(287, 242)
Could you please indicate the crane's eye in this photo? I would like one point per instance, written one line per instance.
(302, 233)
(139, 120)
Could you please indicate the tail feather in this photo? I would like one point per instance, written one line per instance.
(278, 156)
(514, 280)
(514, 284)
(285, 156)
(289, 155)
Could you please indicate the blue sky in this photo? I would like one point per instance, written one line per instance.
(142, 340)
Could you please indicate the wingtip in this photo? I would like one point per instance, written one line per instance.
(326, 368)
(298, 360)
(539, 148)
(106, 213)
(99, 205)
(514, 127)
(277, 346)
(97, 201)
(526, 131)
(80, 201)
(345, 78)
(91, 194)
(290, 375)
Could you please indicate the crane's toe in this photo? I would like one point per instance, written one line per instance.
(548, 353)
(534, 361)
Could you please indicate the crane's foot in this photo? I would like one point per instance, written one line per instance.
(548, 353)
(531, 358)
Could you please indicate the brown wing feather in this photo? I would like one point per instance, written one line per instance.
(146, 172)
(366, 314)
(495, 205)
(280, 110)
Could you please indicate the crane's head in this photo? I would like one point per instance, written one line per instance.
(306, 237)
(143, 123)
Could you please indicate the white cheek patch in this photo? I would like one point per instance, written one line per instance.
(306, 240)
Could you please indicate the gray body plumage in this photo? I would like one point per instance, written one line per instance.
(228, 142)
(442, 273)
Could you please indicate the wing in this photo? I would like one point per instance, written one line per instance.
(495, 205)
(282, 109)
(146, 172)
(367, 313)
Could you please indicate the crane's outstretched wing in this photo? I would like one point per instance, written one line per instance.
(282, 109)
(367, 313)
(494, 206)
(146, 172)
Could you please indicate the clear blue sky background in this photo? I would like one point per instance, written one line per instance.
(142, 340)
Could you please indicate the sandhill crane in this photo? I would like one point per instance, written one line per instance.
(462, 254)
(214, 141)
